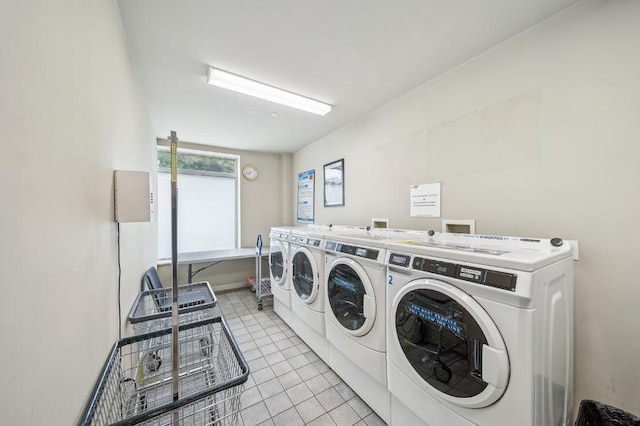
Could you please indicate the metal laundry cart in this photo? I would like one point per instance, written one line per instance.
(135, 387)
(261, 286)
(151, 310)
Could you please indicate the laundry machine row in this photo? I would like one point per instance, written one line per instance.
(297, 268)
(433, 328)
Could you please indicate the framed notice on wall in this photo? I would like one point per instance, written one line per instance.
(306, 189)
(334, 184)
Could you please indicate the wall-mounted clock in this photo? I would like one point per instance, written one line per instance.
(250, 172)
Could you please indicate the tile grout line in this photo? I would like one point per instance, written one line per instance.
(239, 308)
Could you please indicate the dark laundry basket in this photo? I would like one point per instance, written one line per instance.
(594, 413)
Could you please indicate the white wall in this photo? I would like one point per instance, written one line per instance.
(70, 114)
(539, 136)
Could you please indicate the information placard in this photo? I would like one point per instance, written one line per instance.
(306, 190)
(425, 200)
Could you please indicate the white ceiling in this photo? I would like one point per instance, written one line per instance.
(354, 54)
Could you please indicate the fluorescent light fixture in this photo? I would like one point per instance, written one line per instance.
(227, 80)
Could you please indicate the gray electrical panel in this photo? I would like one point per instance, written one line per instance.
(133, 200)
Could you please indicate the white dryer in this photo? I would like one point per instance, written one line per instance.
(306, 253)
(354, 312)
(479, 331)
(279, 271)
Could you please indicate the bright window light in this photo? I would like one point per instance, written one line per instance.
(227, 80)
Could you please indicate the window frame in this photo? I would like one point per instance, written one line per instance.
(206, 153)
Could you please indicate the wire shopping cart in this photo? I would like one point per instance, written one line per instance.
(151, 310)
(134, 388)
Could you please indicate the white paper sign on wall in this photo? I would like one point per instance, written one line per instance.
(425, 200)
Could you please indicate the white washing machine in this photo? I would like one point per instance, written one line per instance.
(354, 312)
(306, 255)
(367, 338)
(480, 331)
(279, 271)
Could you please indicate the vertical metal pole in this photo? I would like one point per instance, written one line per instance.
(175, 353)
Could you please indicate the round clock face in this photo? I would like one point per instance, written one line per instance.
(250, 172)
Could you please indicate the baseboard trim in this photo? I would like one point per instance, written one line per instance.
(230, 286)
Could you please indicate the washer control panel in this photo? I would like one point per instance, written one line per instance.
(277, 235)
(363, 252)
(306, 241)
(497, 279)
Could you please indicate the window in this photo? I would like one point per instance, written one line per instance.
(208, 207)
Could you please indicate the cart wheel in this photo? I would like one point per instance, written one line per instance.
(441, 371)
(259, 306)
(153, 362)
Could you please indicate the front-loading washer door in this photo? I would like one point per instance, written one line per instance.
(277, 263)
(450, 342)
(304, 275)
(350, 295)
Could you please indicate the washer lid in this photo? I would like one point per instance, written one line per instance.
(350, 295)
(304, 275)
(450, 342)
(521, 254)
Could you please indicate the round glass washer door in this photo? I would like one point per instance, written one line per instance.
(304, 275)
(450, 343)
(277, 263)
(350, 295)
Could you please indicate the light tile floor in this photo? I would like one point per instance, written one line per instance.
(289, 384)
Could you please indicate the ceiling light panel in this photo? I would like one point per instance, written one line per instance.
(237, 83)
